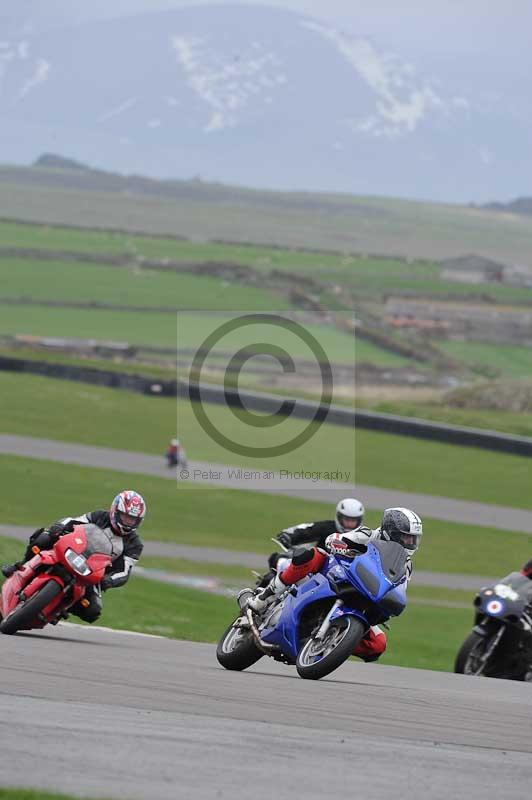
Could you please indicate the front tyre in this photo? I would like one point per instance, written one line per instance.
(471, 658)
(27, 612)
(237, 649)
(318, 658)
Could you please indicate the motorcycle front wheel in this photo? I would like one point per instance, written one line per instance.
(318, 658)
(471, 658)
(237, 649)
(27, 612)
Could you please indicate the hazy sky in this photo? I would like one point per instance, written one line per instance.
(465, 19)
(438, 28)
(474, 49)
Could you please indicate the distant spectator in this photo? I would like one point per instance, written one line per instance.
(175, 454)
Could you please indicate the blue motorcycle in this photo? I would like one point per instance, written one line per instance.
(317, 624)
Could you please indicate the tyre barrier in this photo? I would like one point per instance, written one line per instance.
(302, 409)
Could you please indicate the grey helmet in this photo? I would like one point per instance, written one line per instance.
(403, 526)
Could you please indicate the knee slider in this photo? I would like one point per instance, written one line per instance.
(90, 614)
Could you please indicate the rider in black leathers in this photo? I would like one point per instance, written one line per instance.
(349, 516)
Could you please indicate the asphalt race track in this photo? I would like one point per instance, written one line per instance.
(120, 715)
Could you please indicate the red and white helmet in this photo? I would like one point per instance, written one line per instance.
(127, 511)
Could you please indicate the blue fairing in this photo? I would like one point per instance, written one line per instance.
(364, 574)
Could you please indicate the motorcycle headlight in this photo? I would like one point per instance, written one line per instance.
(77, 562)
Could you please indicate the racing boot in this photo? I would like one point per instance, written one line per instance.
(9, 569)
(267, 596)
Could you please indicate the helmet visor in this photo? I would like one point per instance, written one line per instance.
(349, 523)
(127, 522)
(410, 541)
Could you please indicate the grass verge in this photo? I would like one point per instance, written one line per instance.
(427, 637)
(517, 423)
(65, 281)
(94, 415)
(230, 519)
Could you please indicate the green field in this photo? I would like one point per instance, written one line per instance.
(128, 286)
(363, 282)
(259, 257)
(342, 223)
(229, 519)
(183, 330)
(369, 277)
(514, 422)
(513, 361)
(97, 416)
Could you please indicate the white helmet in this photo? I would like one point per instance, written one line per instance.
(349, 515)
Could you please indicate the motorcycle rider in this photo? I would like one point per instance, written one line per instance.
(527, 569)
(398, 525)
(172, 453)
(125, 515)
(349, 516)
(175, 454)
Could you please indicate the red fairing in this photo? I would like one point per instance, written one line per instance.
(15, 584)
(98, 564)
(77, 541)
(34, 575)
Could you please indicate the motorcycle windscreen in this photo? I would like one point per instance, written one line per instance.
(380, 569)
(97, 542)
(507, 599)
(519, 582)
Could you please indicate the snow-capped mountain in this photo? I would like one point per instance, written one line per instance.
(256, 96)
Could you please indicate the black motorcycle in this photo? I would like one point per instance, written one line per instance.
(500, 644)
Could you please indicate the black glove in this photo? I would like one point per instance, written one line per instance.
(106, 583)
(285, 539)
(56, 530)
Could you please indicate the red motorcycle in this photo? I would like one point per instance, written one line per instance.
(50, 583)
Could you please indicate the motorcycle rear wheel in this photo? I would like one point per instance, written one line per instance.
(337, 645)
(237, 649)
(25, 613)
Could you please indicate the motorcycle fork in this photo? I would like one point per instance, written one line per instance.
(487, 655)
(324, 627)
